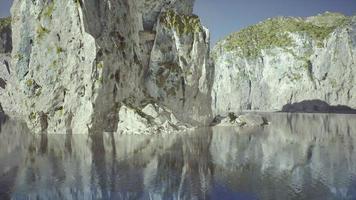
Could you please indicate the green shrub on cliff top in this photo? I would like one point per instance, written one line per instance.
(183, 24)
(274, 33)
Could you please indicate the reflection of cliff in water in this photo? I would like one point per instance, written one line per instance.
(298, 156)
(105, 167)
(308, 156)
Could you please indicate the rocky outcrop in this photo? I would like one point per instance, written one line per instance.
(286, 60)
(75, 63)
(317, 106)
(180, 73)
(152, 119)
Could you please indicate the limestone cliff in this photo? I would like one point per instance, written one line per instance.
(286, 60)
(180, 73)
(76, 63)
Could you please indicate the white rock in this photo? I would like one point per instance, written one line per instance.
(180, 73)
(75, 62)
(152, 119)
(308, 69)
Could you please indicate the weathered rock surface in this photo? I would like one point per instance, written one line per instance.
(152, 119)
(74, 63)
(180, 73)
(286, 60)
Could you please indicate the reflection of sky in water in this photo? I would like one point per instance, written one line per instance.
(298, 156)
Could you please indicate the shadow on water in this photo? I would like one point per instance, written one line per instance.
(3, 118)
(317, 106)
(8, 178)
(298, 156)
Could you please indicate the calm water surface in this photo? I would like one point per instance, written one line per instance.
(298, 156)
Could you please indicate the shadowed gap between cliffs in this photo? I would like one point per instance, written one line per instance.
(317, 106)
(3, 118)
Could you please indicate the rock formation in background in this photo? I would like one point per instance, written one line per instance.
(75, 64)
(284, 61)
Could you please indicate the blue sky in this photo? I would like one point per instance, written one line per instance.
(226, 16)
(5, 7)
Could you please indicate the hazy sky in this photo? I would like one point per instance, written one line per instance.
(225, 16)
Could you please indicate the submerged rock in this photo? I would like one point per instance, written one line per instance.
(74, 63)
(286, 60)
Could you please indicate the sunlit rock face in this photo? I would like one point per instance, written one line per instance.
(180, 72)
(74, 63)
(286, 60)
(151, 119)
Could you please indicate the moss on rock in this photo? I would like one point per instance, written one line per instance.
(183, 24)
(48, 11)
(41, 31)
(5, 22)
(275, 33)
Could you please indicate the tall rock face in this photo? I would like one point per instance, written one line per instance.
(286, 60)
(76, 63)
(179, 70)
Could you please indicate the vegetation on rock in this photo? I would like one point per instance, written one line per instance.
(5, 22)
(183, 24)
(48, 11)
(275, 32)
(41, 31)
